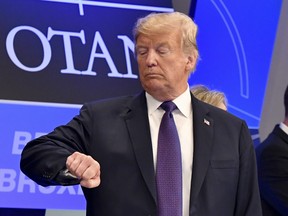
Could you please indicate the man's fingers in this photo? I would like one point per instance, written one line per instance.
(73, 160)
(85, 168)
(91, 172)
(91, 183)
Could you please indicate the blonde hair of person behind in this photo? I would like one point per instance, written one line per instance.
(159, 23)
(212, 97)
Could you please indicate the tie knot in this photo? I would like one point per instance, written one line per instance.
(168, 106)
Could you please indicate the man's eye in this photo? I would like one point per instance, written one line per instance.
(141, 52)
(163, 51)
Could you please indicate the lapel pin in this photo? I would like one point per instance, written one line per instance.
(206, 122)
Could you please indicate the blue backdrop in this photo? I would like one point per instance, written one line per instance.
(56, 55)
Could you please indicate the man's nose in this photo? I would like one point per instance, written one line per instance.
(151, 59)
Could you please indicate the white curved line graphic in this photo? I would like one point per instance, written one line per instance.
(238, 46)
(112, 5)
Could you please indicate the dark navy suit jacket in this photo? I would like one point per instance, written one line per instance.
(116, 133)
(272, 158)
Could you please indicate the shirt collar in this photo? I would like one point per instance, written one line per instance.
(183, 103)
(284, 127)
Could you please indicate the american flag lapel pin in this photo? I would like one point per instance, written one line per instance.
(206, 122)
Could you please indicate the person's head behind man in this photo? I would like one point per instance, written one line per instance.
(166, 51)
(213, 97)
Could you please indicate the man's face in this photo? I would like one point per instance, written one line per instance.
(163, 67)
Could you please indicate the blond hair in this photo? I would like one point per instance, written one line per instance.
(159, 23)
(213, 97)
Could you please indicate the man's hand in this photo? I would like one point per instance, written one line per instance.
(85, 168)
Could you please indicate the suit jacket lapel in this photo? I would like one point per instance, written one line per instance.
(203, 134)
(138, 127)
(139, 130)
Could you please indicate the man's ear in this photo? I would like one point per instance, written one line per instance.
(190, 63)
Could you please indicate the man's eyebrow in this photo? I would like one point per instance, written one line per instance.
(162, 44)
(140, 46)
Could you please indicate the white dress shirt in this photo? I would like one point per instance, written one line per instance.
(284, 127)
(183, 120)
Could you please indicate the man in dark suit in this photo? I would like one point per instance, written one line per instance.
(272, 159)
(120, 135)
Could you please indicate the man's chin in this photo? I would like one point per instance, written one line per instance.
(157, 91)
(154, 85)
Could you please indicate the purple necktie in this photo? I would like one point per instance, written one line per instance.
(169, 168)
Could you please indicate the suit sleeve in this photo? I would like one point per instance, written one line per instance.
(44, 159)
(248, 197)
